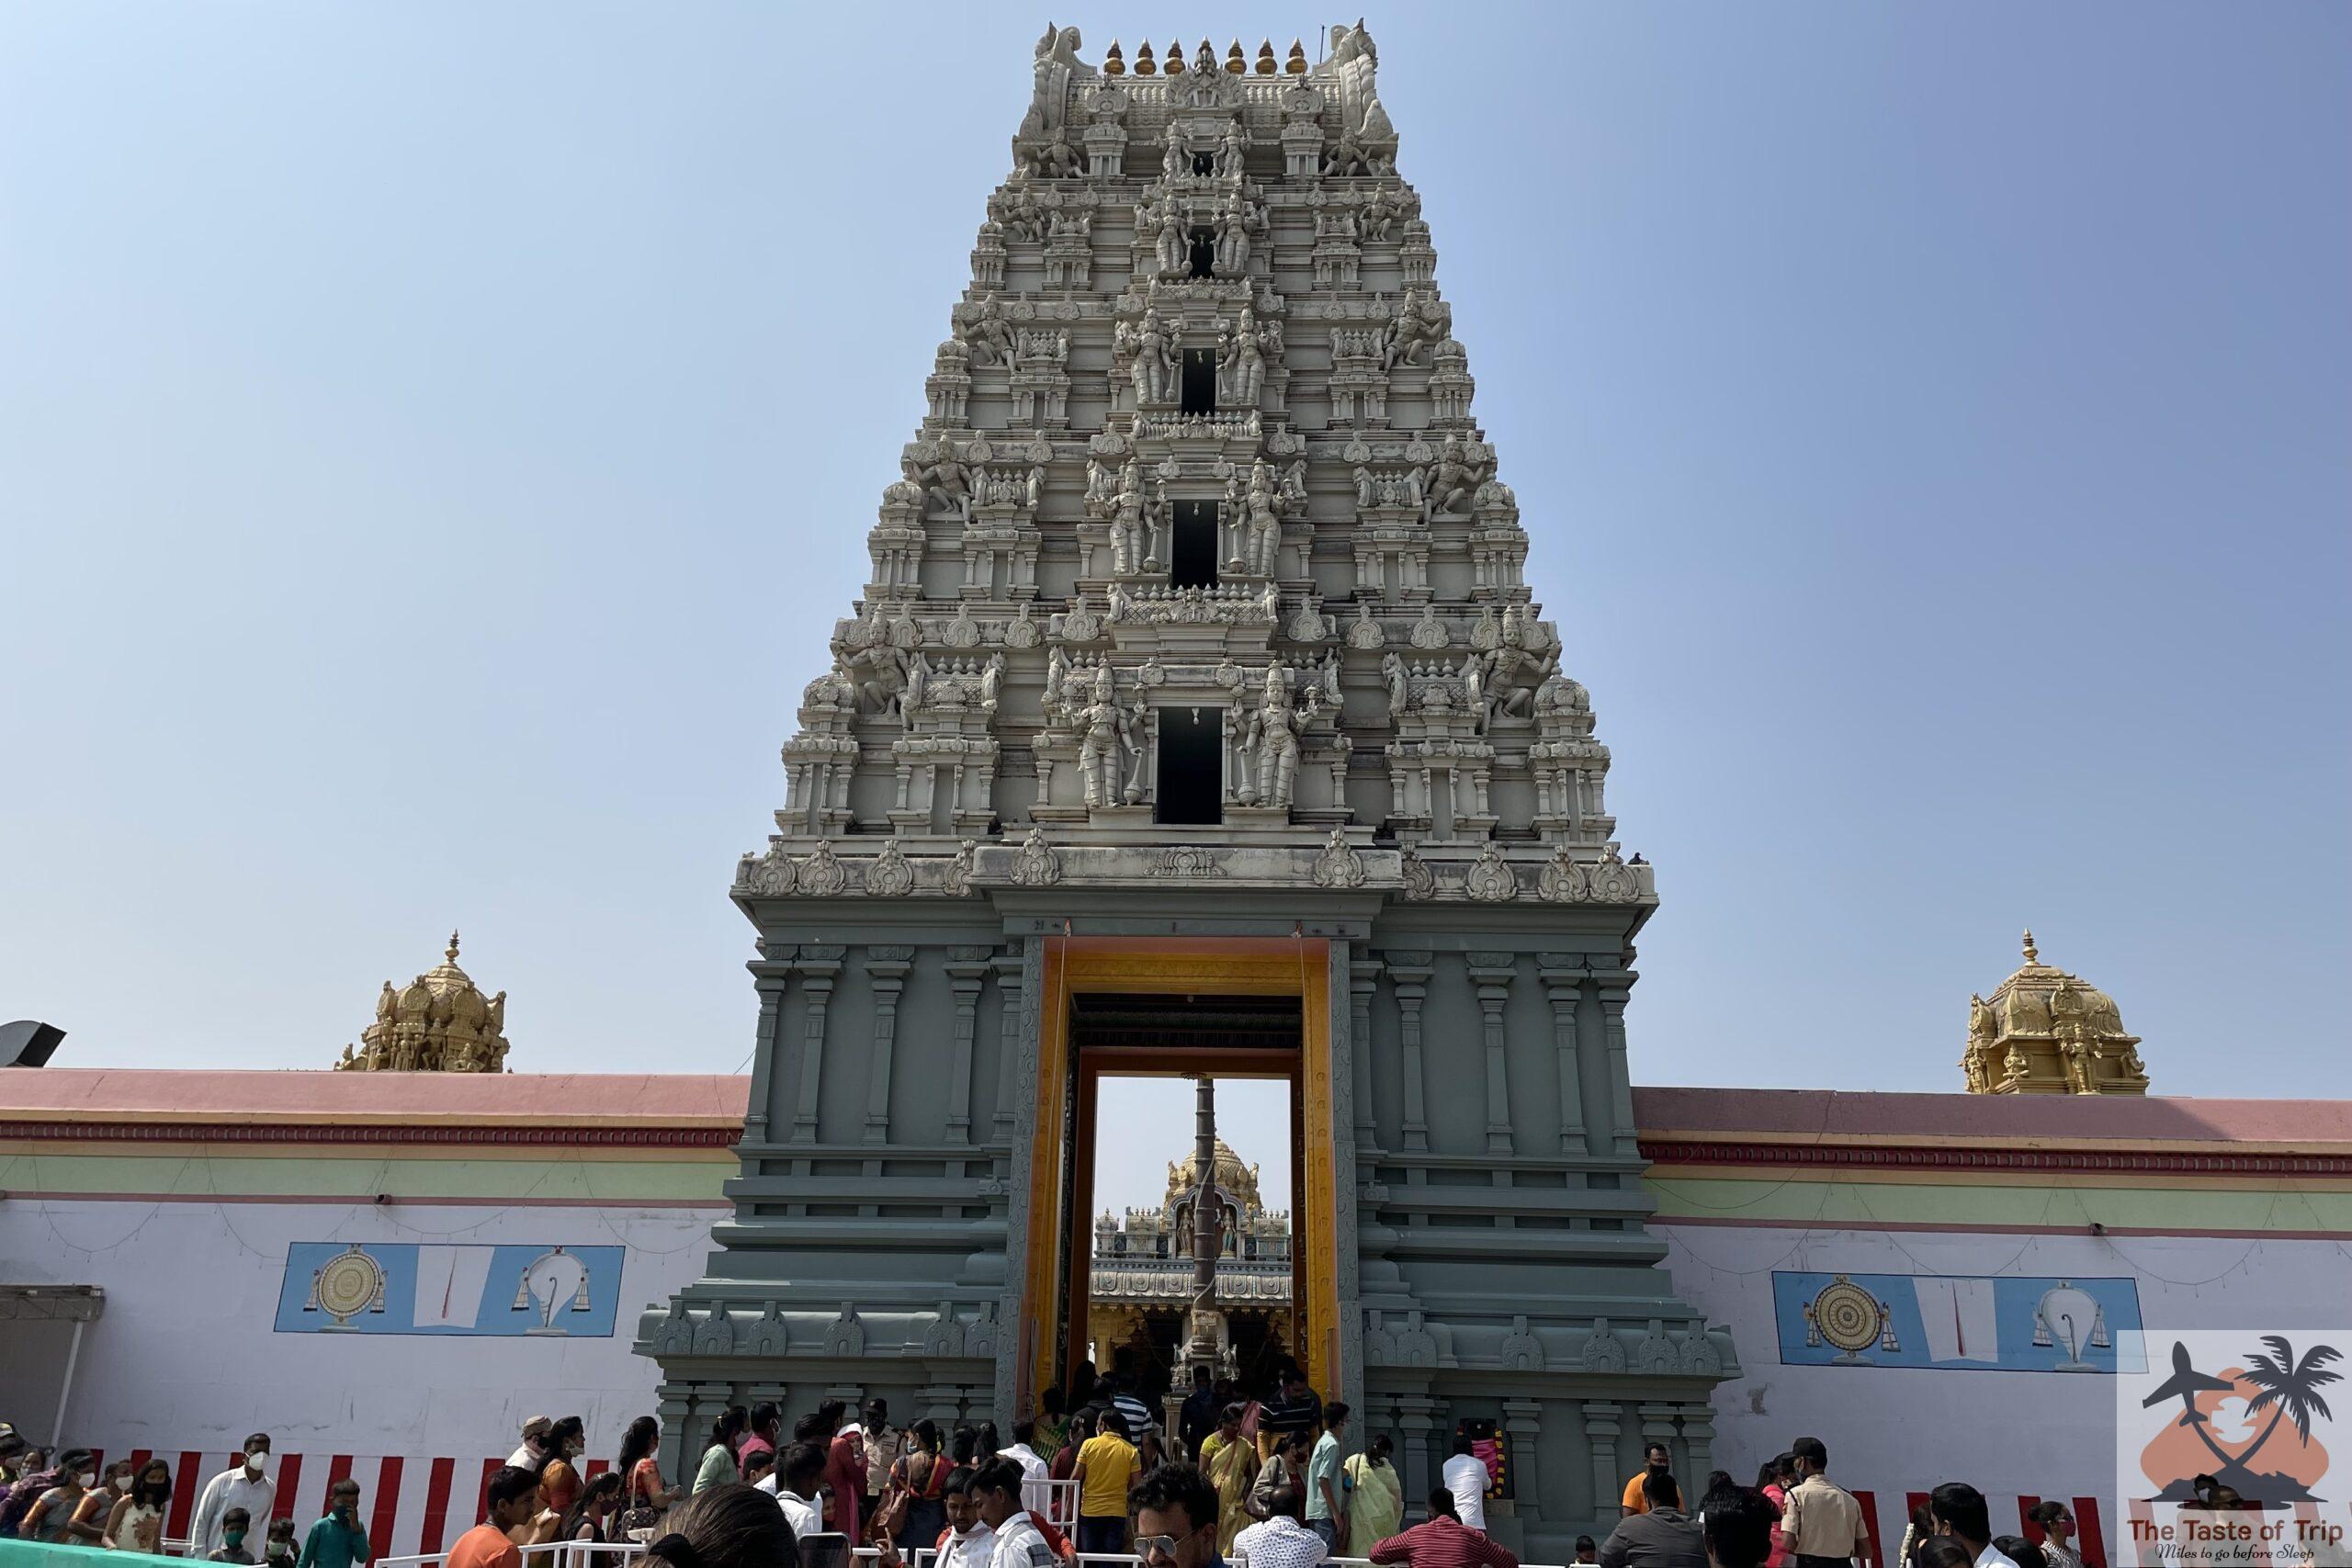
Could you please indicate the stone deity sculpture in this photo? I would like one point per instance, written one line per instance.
(1103, 727)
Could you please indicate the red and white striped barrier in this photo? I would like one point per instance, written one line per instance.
(412, 1505)
(417, 1507)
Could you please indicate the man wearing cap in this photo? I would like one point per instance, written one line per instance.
(533, 1454)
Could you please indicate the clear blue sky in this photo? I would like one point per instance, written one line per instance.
(435, 440)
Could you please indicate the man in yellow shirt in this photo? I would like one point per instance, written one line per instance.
(1659, 1461)
(1106, 1468)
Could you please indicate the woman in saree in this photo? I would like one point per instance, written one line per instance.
(1375, 1496)
(1230, 1461)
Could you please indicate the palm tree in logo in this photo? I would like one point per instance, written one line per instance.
(2289, 1388)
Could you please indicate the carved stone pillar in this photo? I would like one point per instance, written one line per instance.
(1601, 1436)
(967, 969)
(819, 966)
(707, 1402)
(1492, 972)
(1523, 1419)
(1616, 985)
(1699, 1436)
(1363, 980)
(1008, 967)
(1411, 970)
(771, 977)
(674, 1403)
(779, 1393)
(886, 968)
(1417, 1418)
(943, 1403)
(1564, 984)
(1657, 1427)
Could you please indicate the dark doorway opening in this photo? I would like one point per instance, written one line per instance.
(1204, 252)
(1204, 163)
(1192, 552)
(1191, 790)
(1198, 392)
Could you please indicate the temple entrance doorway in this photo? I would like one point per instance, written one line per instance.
(1146, 1237)
(1146, 1045)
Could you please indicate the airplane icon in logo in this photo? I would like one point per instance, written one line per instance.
(2185, 1384)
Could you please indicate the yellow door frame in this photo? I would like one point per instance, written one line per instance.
(1253, 966)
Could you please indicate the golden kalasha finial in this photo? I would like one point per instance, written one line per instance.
(1234, 61)
(1144, 67)
(1296, 64)
(1112, 64)
(1266, 66)
(452, 953)
(2032, 953)
(1172, 59)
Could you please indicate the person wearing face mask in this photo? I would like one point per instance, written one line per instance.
(52, 1519)
(234, 1525)
(98, 1503)
(965, 1541)
(244, 1485)
(338, 1540)
(33, 1477)
(136, 1523)
(560, 1481)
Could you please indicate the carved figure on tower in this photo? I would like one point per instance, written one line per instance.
(1057, 69)
(989, 336)
(1262, 534)
(1272, 743)
(1102, 741)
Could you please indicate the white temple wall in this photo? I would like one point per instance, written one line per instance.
(188, 1355)
(1894, 1429)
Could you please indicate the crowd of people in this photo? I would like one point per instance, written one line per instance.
(1796, 1516)
(1270, 1481)
(63, 1498)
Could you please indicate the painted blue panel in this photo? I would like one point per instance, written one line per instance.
(541, 1290)
(1953, 1323)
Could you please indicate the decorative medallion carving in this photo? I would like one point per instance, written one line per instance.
(1490, 879)
(1562, 880)
(1186, 860)
(888, 875)
(1338, 864)
(821, 875)
(1036, 865)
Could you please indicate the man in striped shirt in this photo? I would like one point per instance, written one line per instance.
(1443, 1542)
(1296, 1408)
(1125, 1401)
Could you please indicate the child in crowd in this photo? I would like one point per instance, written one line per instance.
(234, 1525)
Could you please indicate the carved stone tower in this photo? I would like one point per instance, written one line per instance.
(1198, 663)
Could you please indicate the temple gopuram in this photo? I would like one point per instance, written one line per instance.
(1197, 718)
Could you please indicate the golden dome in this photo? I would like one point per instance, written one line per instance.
(439, 1021)
(1235, 1180)
(2045, 1032)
